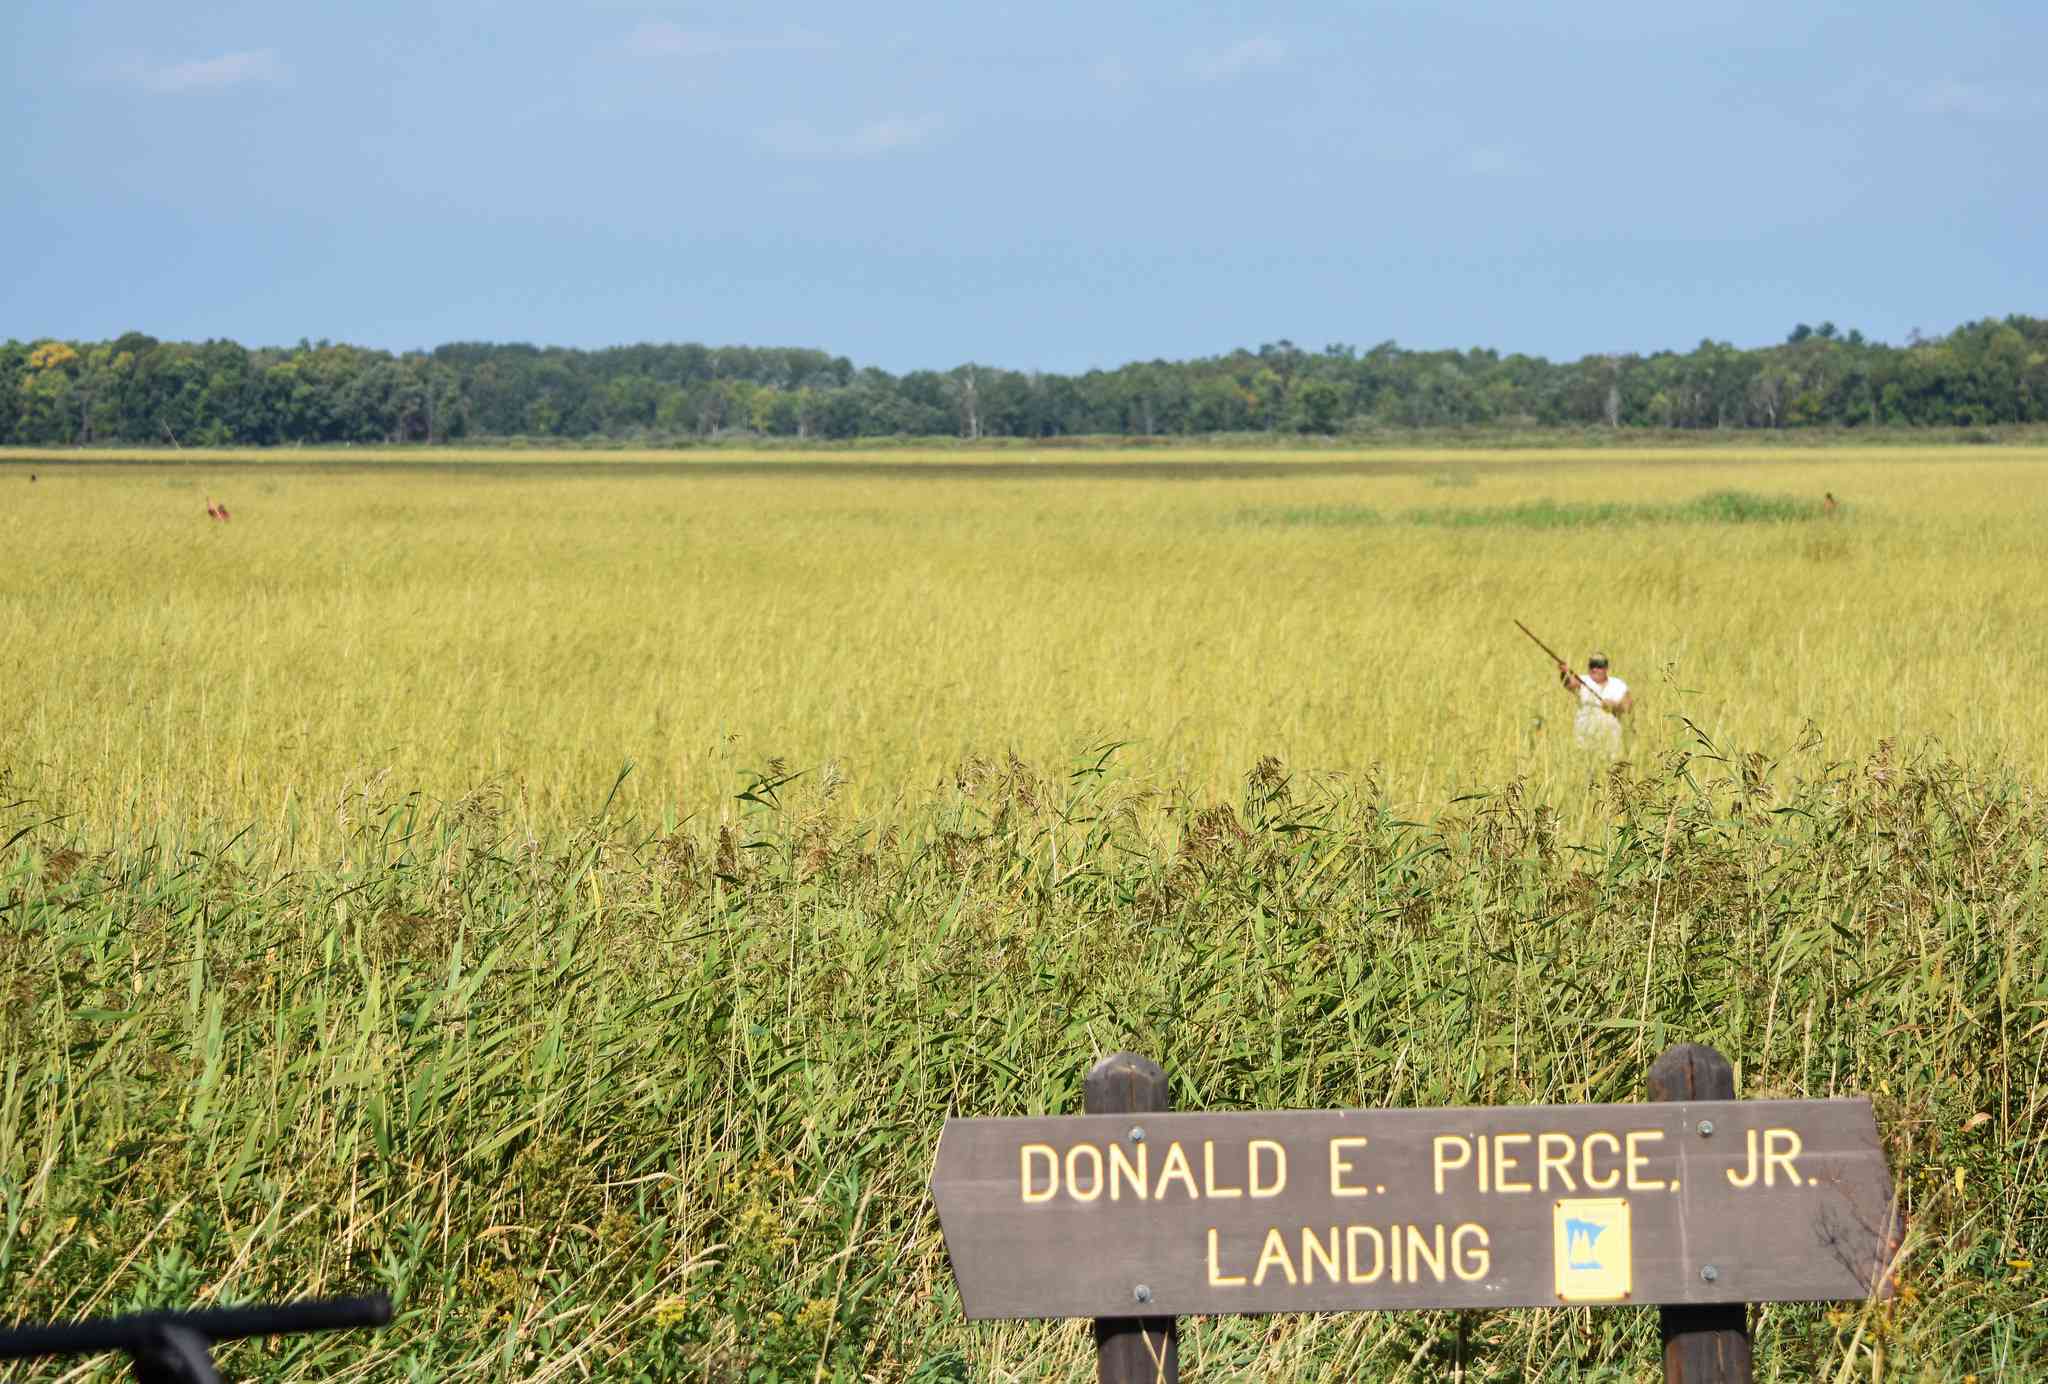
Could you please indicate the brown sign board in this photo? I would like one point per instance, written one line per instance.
(1361, 1210)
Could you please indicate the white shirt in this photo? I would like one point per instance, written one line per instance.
(1595, 726)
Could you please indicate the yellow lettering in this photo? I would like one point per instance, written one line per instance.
(1637, 1160)
(1433, 1257)
(1394, 1248)
(1209, 1187)
(1025, 1155)
(1593, 1182)
(1554, 1154)
(1340, 1165)
(1781, 1146)
(1440, 1149)
(1748, 1179)
(1275, 1252)
(1470, 1261)
(1279, 1182)
(1481, 1141)
(1379, 1254)
(1074, 1177)
(1174, 1165)
(1312, 1250)
(1218, 1278)
(1122, 1170)
(1504, 1162)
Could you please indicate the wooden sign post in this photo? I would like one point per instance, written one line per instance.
(1134, 1215)
(1702, 1345)
(1135, 1349)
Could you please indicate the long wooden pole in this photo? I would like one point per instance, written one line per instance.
(1539, 643)
(1577, 681)
(1552, 652)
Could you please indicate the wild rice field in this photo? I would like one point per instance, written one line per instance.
(532, 629)
(570, 894)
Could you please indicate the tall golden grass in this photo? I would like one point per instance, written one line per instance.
(531, 632)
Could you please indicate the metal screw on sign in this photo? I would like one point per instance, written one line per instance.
(1143, 1292)
(1137, 1134)
(1708, 1273)
(1706, 1129)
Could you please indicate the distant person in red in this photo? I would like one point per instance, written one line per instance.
(211, 512)
(223, 512)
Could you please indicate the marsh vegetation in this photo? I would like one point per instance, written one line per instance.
(573, 899)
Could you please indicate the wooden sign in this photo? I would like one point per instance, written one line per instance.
(1160, 1214)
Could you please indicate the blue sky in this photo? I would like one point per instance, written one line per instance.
(1049, 186)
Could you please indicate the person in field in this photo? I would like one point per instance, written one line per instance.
(1603, 700)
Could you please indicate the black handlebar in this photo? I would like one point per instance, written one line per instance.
(173, 1347)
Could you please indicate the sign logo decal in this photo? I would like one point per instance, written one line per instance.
(1593, 1253)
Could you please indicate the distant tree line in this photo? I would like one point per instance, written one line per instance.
(140, 390)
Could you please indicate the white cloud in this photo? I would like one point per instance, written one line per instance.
(1948, 96)
(229, 69)
(660, 39)
(1491, 161)
(1243, 56)
(1113, 73)
(1937, 96)
(890, 134)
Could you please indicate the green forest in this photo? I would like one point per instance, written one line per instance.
(139, 390)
